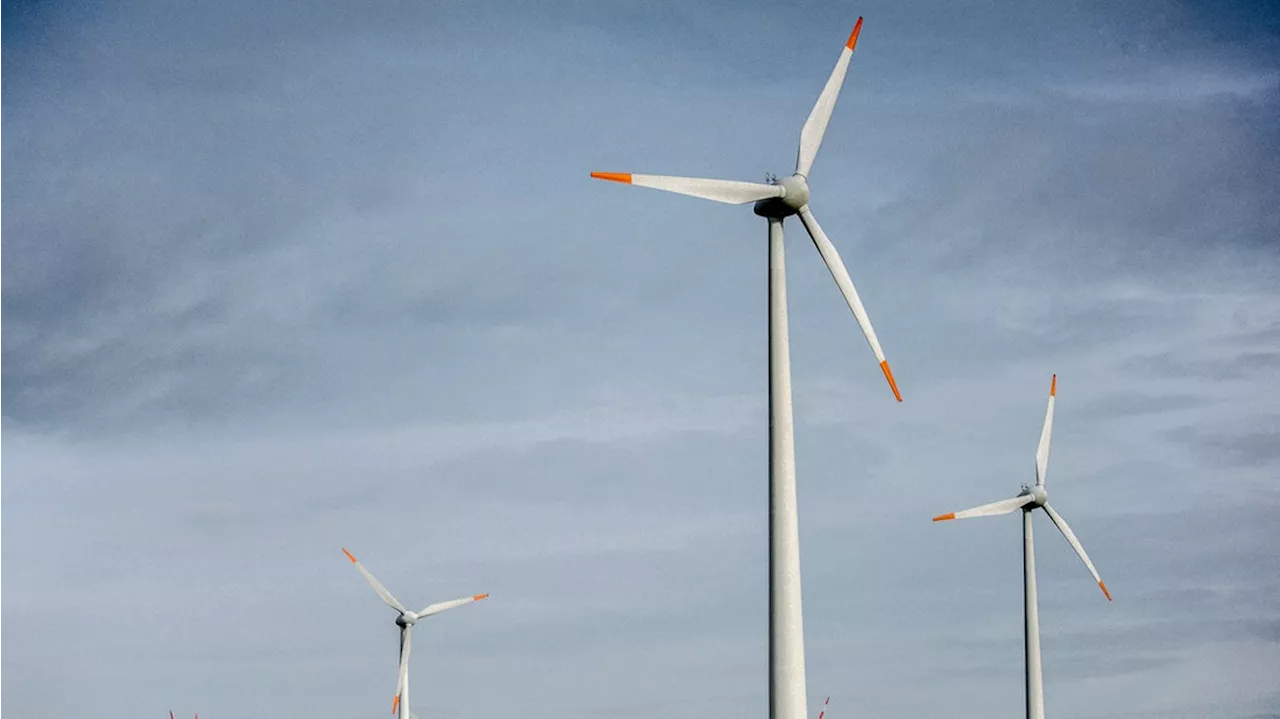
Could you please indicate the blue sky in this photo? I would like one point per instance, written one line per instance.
(288, 278)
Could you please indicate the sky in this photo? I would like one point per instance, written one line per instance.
(287, 277)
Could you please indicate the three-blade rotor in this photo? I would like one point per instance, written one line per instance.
(787, 197)
(1036, 496)
(406, 620)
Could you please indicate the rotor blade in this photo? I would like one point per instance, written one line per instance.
(728, 191)
(816, 126)
(402, 678)
(442, 606)
(1004, 506)
(1042, 452)
(377, 586)
(841, 275)
(1075, 544)
(822, 714)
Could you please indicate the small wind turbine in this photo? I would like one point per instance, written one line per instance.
(775, 201)
(1028, 500)
(406, 619)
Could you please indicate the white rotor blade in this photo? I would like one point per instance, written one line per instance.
(1075, 544)
(377, 586)
(442, 606)
(729, 191)
(406, 645)
(816, 126)
(1042, 452)
(1004, 506)
(832, 258)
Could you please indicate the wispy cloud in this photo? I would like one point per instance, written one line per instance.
(283, 279)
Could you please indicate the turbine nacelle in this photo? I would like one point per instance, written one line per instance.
(795, 194)
(1039, 497)
(407, 619)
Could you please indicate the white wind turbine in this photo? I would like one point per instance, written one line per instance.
(776, 201)
(1028, 500)
(406, 619)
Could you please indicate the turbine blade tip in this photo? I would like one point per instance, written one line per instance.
(1104, 589)
(853, 37)
(623, 177)
(888, 374)
(349, 555)
(395, 705)
(478, 597)
(944, 517)
(1053, 387)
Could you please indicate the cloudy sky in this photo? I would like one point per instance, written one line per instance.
(286, 277)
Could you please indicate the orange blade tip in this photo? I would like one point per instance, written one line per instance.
(944, 517)
(623, 177)
(478, 597)
(888, 374)
(349, 555)
(395, 704)
(853, 37)
(1053, 387)
(1104, 589)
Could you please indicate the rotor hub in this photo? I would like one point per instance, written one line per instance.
(795, 195)
(1039, 497)
(406, 619)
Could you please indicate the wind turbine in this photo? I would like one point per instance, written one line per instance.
(406, 619)
(776, 201)
(1028, 500)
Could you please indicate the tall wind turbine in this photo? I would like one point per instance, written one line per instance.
(406, 619)
(1028, 500)
(776, 201)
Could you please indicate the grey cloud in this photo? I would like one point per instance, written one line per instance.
(1258, 444)
(1169, 364)
(286, 278)
(1130, 404)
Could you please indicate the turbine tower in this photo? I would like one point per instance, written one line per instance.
(406, 619)
(1028, 500)
(776, 201)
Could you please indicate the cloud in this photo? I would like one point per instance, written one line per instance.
(284, 279)
(1184, 87)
